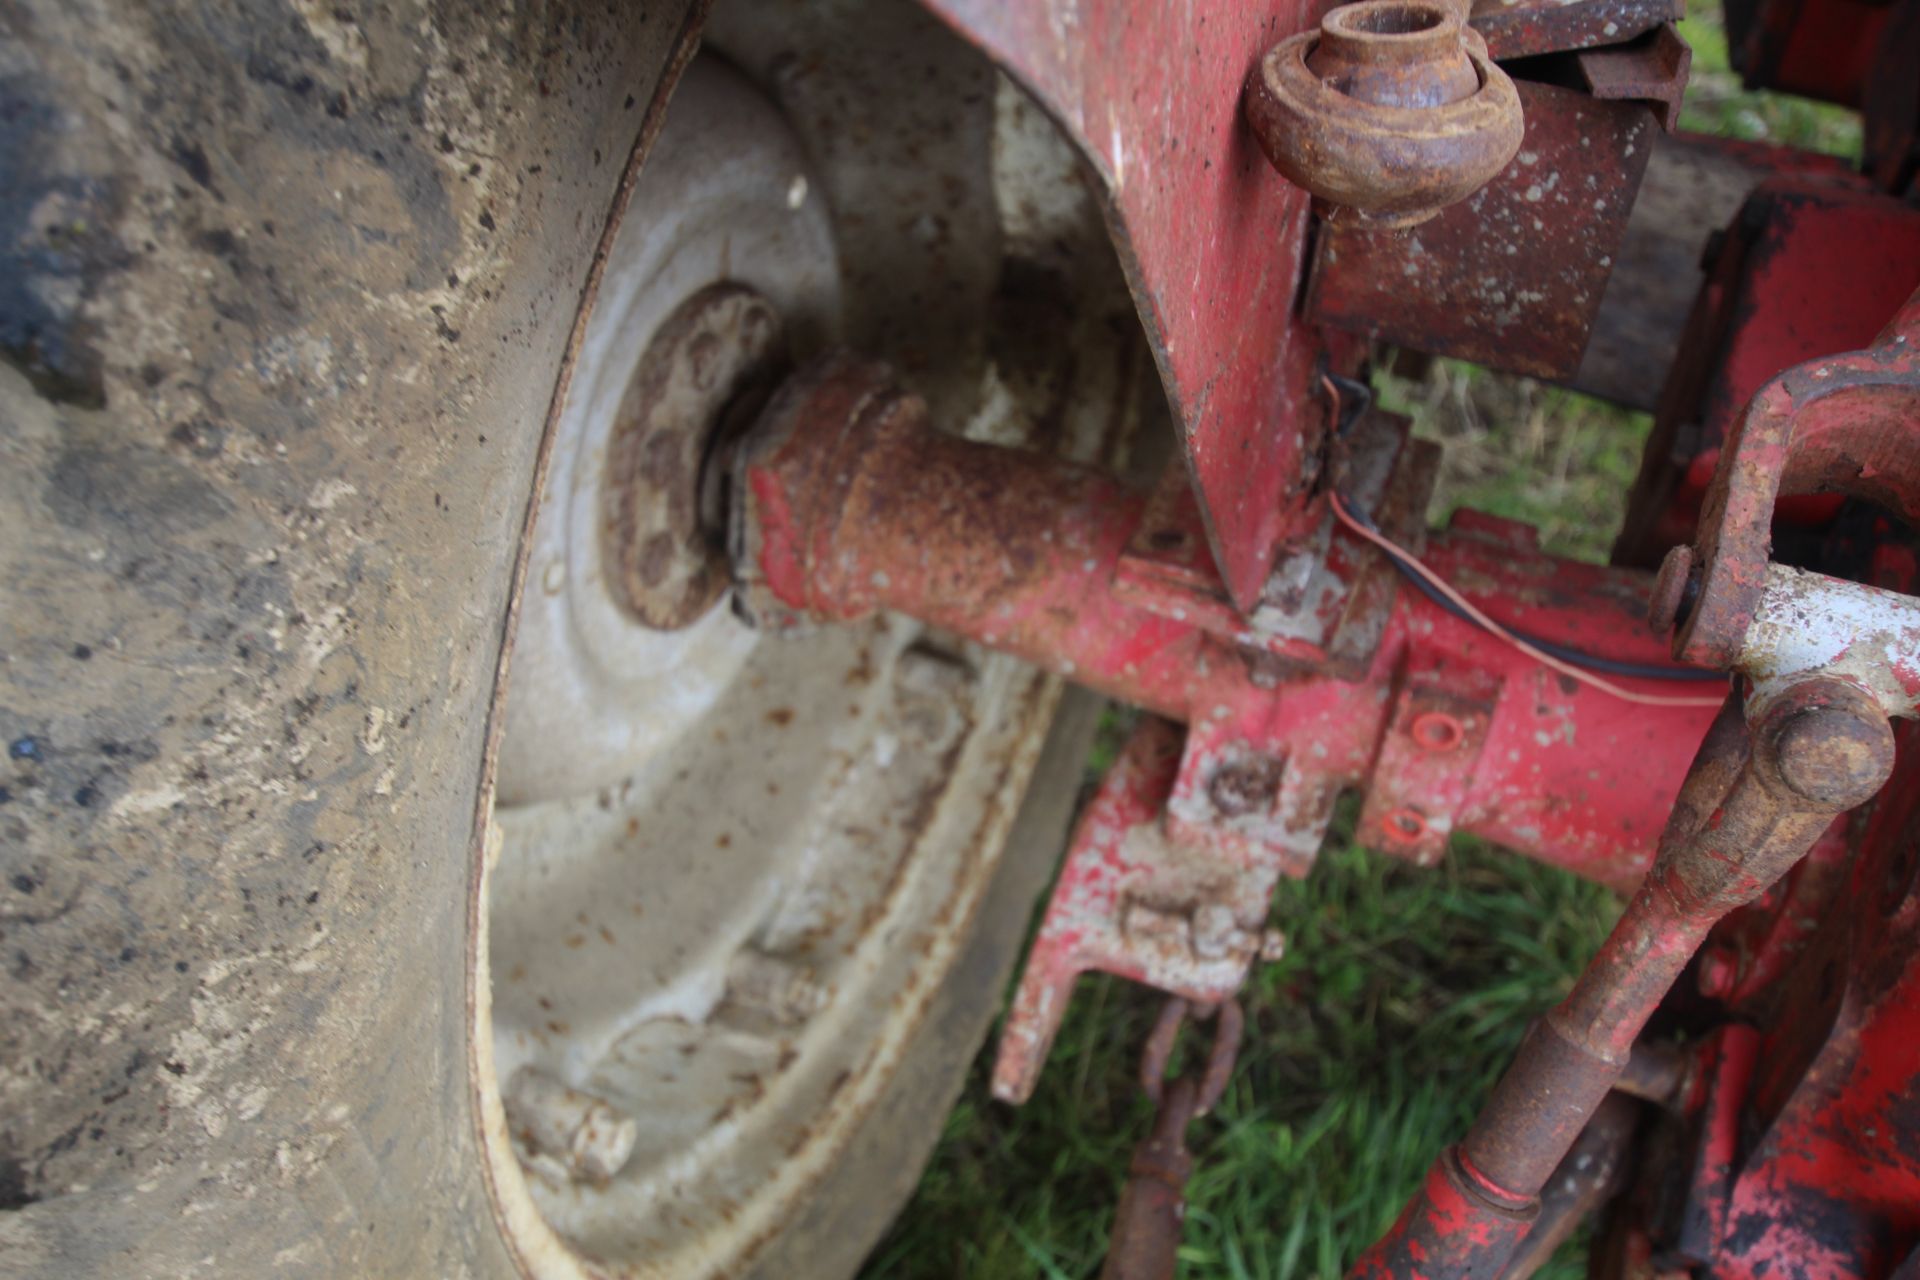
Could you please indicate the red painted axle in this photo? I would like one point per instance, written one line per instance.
(849, 502)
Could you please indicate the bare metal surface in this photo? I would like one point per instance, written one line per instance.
(1810, 624)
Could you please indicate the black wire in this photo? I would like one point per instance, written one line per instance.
(1579, 658)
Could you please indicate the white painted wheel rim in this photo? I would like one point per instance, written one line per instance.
(727, 873)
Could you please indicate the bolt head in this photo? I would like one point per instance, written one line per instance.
(1833, 757)
(1245, 786)
(1405, 825)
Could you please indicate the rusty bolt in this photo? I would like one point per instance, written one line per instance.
(1673, 590)
(1717, 974)
(1391, 109)
(1244, 786)
(1437, 731)
(1829, 745)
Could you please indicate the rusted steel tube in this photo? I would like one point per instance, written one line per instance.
(1757, 799)
(1451, 1227)
(1146, 1225)
(860, 505)
(847, 501)
(1591, 1174)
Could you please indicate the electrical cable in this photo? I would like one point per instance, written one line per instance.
(1573, 663)
(1464, 607)
(1566, 653)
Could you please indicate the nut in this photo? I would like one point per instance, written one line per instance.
(1245, 786)
(1437, 731)
(1391, 109)
(721, 348)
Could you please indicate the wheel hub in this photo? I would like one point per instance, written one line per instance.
(722, 348)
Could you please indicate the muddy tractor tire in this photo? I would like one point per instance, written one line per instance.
(291, 301)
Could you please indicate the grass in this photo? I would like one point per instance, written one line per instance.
(1514, 447)
(1369, 1046)
(1717, 104)
(1372, 1042)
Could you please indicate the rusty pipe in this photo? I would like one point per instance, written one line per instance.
(1759, 795)
(843, 499)
(852, 503)
(1146, 1225)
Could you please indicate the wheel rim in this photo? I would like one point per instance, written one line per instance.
(710, 849)
(728, 874)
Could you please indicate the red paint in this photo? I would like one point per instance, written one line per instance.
(1452, 1221)
(1828, 1183)
(1815, 48)
(1212, 240)
(1812, 266)
(1020, 553)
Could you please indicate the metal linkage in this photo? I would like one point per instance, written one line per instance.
(847, 501)
(1758, 796)
(1841, 424)
(1146, 1225)
(1824, 665)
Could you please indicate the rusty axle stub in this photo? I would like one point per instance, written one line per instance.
(1388, 113)
(722, 349)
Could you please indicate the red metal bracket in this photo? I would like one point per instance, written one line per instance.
(1212, 240)
(1511, 277)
